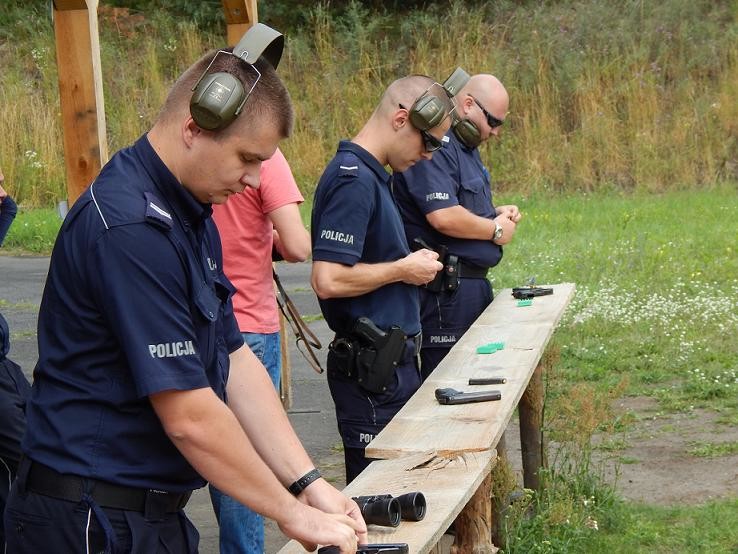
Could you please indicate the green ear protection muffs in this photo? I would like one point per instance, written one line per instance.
(432, 107)
(427, 112)
(455, 82)
(464, 129)
(218, 98)
(467, 132)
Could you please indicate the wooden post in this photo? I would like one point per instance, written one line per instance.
(239, 16)
(497, 503)
(285, 380)
(473, 526)
(80, 92)
(530, 410)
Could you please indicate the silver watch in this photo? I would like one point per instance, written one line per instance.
(498, 231)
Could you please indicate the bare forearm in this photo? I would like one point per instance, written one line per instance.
(291, 238)
(460, 223)
(252, 398)
(297, 249)
(207, 433)
(331, 280)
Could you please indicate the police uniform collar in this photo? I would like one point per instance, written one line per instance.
(366, 157)
(186, 206)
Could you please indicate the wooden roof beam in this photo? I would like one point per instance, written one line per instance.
(240, 15)
(80, 92)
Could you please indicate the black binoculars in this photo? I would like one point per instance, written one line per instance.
(384, 509)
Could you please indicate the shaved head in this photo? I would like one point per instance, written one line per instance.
(403, 91)
(489, 91)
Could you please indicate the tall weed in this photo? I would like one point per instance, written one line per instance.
(627, 95)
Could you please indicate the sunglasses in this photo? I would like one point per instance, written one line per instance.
(430, 143)
(492, 121)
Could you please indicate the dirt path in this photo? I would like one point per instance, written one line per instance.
(656, 466)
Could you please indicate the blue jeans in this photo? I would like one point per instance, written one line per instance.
(242, 530)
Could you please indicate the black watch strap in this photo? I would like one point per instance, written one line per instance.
(301, 484)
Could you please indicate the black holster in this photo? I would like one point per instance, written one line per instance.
(448, 277)
(369, 354)
(437, 284)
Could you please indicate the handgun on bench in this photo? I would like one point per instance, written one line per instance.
(389, 548)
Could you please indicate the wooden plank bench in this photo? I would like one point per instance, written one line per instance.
(446, 452)
(454, 481)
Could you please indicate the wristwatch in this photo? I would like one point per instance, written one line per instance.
(498, 231)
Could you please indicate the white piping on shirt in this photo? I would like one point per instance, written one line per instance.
(92, 193)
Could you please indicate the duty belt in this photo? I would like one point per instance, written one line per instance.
(348, 346)
(468, 271)
(44, 480)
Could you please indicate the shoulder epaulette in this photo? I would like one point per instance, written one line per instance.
(155, 214)
(348, 170)
(348, 165)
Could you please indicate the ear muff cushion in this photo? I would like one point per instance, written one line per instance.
(467, 133)
(427, 112)
(214, 103)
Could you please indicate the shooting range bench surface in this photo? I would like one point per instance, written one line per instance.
(447, 451)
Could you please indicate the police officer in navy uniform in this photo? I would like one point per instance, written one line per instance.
(14, 389)
(447, 202)
(139, 349)
(362, 266)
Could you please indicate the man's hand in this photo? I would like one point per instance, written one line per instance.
(511, 212)
(310, 527)
(322, 495)
(508, 228)
(420, 267)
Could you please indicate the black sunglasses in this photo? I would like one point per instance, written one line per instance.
(492, 121)
(430, 143)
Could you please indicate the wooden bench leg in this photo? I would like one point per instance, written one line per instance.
(473, 525)
(530, 410)
(500, 488)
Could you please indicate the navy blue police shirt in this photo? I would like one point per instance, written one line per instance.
(135, 303)
(454, 176)
(355, 219)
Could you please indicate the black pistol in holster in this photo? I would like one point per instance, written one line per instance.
(448, 277)
(378, 354)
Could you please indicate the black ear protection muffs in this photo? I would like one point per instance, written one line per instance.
(464, 129)
(218, 98)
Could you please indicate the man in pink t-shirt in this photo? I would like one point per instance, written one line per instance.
(250, 224)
